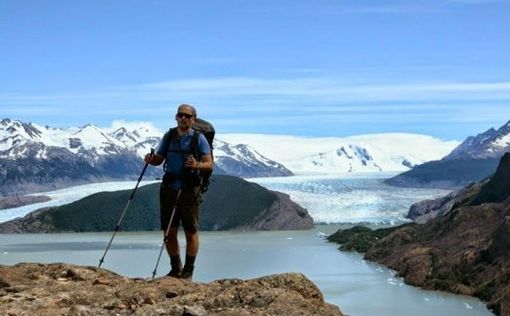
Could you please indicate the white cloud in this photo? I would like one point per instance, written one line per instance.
(399, 7)
(130, 125)
(268, 104)
(257, 92)
(322, 88)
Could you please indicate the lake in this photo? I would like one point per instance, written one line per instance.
(358, 287)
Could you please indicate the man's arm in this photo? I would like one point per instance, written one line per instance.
(206, 163)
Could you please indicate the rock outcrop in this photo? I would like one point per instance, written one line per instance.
(62, 289)
(283, 214)
(494, 189)
(465, 251)
(424, 211)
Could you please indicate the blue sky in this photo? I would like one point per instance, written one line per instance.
(315, 68)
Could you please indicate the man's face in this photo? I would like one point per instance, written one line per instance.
(184, 118)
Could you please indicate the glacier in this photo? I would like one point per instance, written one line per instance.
(68, 195)
(361, 198)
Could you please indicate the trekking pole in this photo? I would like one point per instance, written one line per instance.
(124, 212)
(165, 238)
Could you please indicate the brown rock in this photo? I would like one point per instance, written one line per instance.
(93, 291)
(283, 214)
(465, 252)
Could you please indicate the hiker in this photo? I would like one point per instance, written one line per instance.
(181, 185)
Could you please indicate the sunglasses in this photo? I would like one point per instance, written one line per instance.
(184, 115)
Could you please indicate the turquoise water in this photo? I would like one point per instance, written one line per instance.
(356, 286)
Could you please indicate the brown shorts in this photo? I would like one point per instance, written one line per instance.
(187, 210)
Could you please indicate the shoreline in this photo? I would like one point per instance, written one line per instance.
(359, 241)
(9, 202)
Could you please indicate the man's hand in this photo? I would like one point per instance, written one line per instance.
(206, 164)
(153, 159)
(191, 162)
(148, 158)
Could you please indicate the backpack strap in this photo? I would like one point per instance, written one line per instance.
(205, 175)
(168, 137)
(194, 144)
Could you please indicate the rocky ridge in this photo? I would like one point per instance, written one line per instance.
(426, 210)
(63, 289)
(489, 144)
(491, 190)
(463, 247)
(473, 160)
(466, 252)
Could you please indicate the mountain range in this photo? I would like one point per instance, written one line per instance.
(36, 158)
(473, 160)
(392, 152)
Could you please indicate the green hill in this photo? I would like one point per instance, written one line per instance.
(230, 203)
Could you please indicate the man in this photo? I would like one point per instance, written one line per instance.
(180, 186)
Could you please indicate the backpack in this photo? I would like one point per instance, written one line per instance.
(200, 127)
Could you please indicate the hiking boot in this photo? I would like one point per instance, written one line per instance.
(187, 273)
(176, 265)
(175, 273)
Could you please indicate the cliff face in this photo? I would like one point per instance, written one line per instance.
(424, 211)
(466, 252)
(494, 189)
(61, 289)
(283, 214)
(465, 249)
(497, 188)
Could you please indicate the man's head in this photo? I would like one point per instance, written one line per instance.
(185, 116)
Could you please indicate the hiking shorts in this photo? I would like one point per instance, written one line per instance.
(187, 210)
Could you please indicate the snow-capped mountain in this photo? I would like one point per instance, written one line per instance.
(89, 140)
(138, 136)
(35, 158)
(489, 144)
(244, 160)
(473, 160)
(329, 155)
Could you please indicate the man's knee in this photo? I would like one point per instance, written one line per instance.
(172, 233)
(191, 230)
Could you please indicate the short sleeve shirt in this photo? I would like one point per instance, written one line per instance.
(179, 148)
